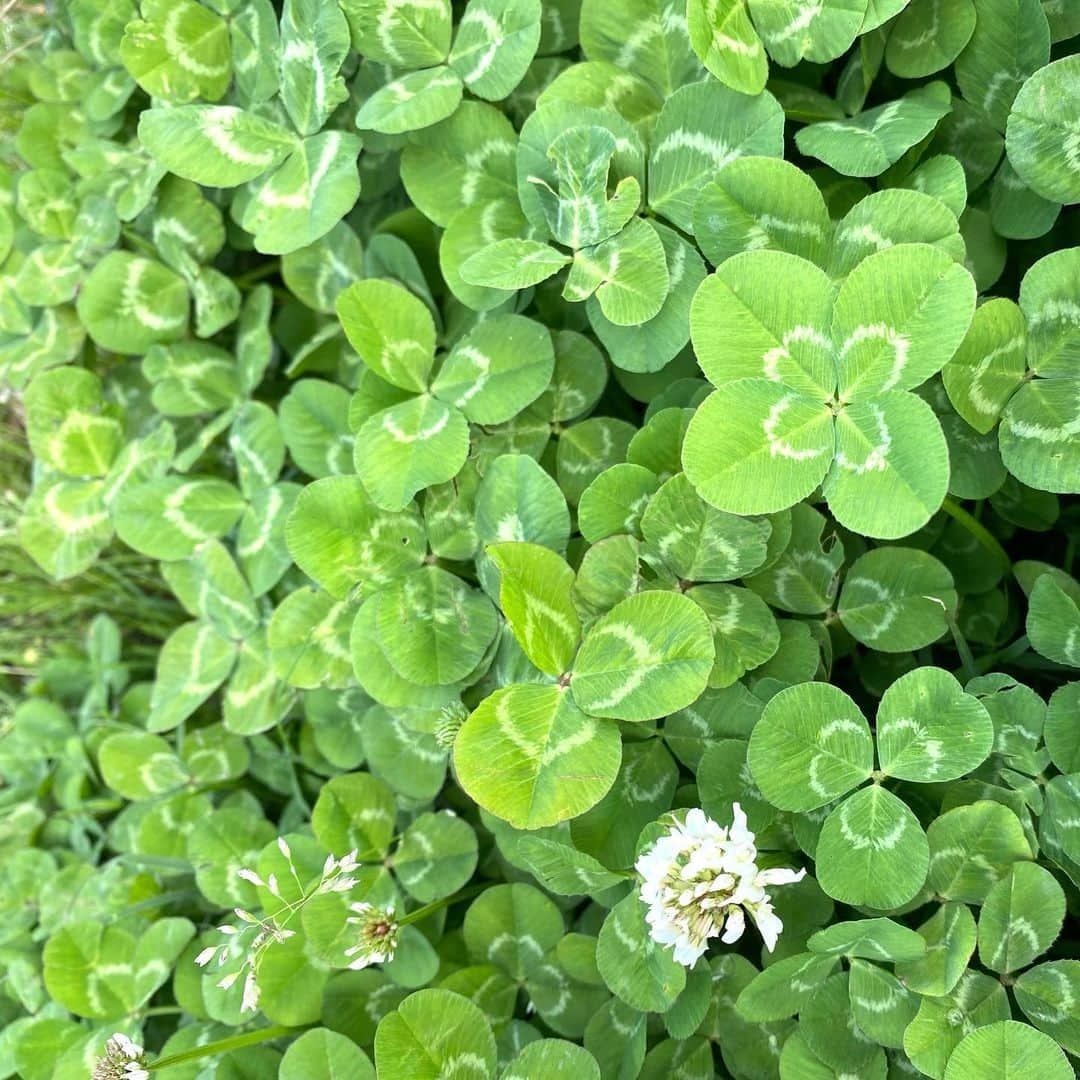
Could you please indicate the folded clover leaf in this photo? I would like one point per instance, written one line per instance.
(568, 160)
(581, 175)
(580, 213)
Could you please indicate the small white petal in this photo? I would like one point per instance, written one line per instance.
(127, 1046)
(251, 994)
(206, 956)
(688, 954)
(768, 924)
(734, 927)
(739, 832)
(780, 875)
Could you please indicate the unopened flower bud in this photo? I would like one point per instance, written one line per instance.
(452, 717)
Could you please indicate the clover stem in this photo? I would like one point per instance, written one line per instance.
(223, 1046)
(968, 667)
(21, 47)
(294, 779)
(978, 530)
(1010, 652)
(265, 270)
(139, 243)
(438, 905)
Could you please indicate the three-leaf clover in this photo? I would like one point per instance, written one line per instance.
(812, 746)
(490, 374)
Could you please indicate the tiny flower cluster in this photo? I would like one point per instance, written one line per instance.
(377, 933)
(450, 721)
(699, 879)
(122, 1060)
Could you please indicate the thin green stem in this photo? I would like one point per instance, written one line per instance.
(101, 806)
(160, 900)
(294, 779)
(15, 50)
(968, 667)
(438, 905)
(978, 530)
(139, 243)
(1008, 654)
(223, 1046)
(265, 270)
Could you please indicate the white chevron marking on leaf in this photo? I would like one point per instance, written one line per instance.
(217, 124)
(711, 147)
(877, 460)
(779, 447)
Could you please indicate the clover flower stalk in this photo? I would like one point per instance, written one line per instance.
(700, 880)
(122, 1060)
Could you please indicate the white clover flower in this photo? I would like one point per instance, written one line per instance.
(378, 935)
(122, 1060)
(700, 879)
